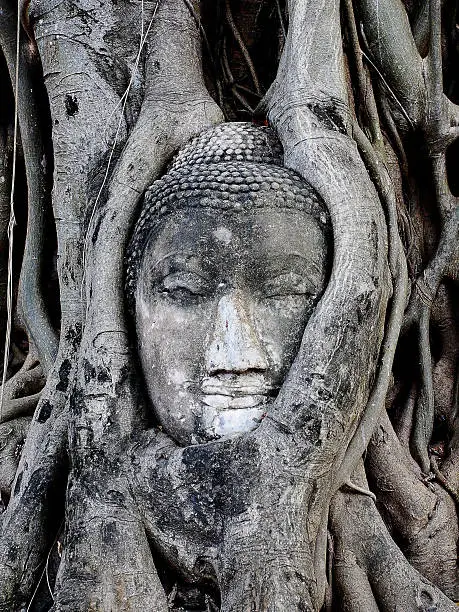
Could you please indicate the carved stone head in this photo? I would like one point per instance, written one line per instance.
(225, 265)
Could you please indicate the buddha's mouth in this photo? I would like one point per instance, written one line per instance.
(228, 391)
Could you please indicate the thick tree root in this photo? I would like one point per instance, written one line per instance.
(12, 437)
(424, 521)
(176, 106)
(22, 391)
(34, 513)
(371, 571)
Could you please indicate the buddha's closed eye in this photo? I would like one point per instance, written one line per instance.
(187, 286)
(183, 287)
(288, 284)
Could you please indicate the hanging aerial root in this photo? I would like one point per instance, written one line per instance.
(387, 463)
(6, 153)
(417, 86)
(446, 511)
(38, 174)
(436, 124)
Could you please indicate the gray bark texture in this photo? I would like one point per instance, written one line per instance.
(345, 496)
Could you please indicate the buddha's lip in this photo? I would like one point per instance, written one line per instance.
(219, 401)
(237, 386)
(234, 391)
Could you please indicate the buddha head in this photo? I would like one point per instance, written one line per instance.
(225, 265)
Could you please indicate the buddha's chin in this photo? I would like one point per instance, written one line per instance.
(228, 422)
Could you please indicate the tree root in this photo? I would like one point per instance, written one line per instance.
(102, 523)
(419, 85)
(21, 406)
(22, 391)
(36, 157)
(6, 150)
(175, 107)
(12, 438)
(423, 520)
(371, 571)
(34, 513)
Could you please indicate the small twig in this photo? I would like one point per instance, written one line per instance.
(281, 19)
(46, 569)
(330, 560)
(242, 99)
(210, 605)
(247, 90)
(243, 48)
(231, 81)
(353, 487)
(441, 478)
(36, 590)
(171, 597)
(225, 63)
(427, 285)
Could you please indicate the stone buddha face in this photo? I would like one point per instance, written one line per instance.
(221, 305)
(222, 298)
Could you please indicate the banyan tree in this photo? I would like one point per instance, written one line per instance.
(228, 292)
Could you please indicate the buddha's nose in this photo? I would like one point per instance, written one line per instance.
(234, 346)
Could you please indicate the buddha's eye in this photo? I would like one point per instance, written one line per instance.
(183, 287)
(291, 288)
